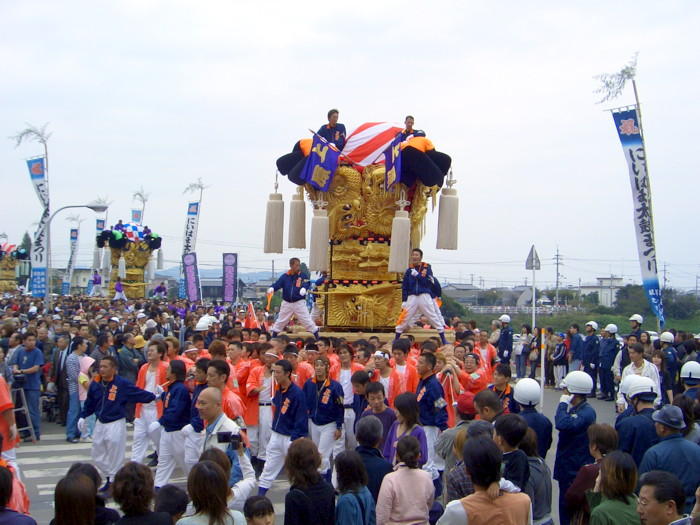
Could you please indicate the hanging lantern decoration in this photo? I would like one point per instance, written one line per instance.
(107, 259)
(297, 221)
(151, 270)
(448, 217)
(320, 231)
(159, 265)
(121, 268)
(274, 222)
(400, 237)
(96, 258)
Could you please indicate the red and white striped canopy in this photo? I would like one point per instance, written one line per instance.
(365, 145)
(8, 248)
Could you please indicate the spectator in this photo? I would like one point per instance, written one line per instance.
(444, 446)
(258, 510)
(207, 485)
(539, 484)
(612, 500)
(74, 501)
(602, 439)
(133, 492)
(369, 435)
(459, 483)
(488, 406)
(501, 386)
(103, 515)
(640, 367)
(240, 491)
(173, 500)
(509, 432)
(406, 424)
(407, 494)
(355, 504)
(7, 515)
(673, 453)
(661, 499)
(310, 500)
(658, 358)
(691, 432)
(482, 459)
(27, 370)
(374, 392)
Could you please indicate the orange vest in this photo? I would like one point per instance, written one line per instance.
(160, 380)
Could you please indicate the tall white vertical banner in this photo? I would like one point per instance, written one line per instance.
(630, 133)
(190, 239)
(68, 276)
(39, 254)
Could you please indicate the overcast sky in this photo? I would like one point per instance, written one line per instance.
(159, 93)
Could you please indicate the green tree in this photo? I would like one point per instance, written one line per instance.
(451, 308)
(632, 300)
(26, 243)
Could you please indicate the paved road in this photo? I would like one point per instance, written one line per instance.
(44, 463)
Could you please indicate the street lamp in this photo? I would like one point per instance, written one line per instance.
(97, 208)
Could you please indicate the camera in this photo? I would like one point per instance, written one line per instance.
(228, 437)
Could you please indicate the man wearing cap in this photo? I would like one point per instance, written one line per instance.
(667, 339)
(113, 325)
(444, 446)
(636, 324)
(609, 347)
(294, 285)
(141, 321)
(591, 353)
(674, 453)
(637, 433)
(527, 394)
(417, 290)
(324, 401)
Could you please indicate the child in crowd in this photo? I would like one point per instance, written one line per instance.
(173, 500)
(258, 510)
(510, 430)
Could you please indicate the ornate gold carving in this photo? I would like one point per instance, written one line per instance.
(364, 306)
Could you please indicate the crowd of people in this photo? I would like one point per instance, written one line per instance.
(409, 430)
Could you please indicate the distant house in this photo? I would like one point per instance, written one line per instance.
(606, 288)
(466, 294)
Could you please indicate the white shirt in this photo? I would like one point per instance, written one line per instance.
(266, 394)
(344, 380)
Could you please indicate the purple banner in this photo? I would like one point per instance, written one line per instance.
(193, 292)
(230, 279)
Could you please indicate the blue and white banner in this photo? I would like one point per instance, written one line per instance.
(136, 216)
(99, 225)
(65, 286)
(627, 123)
(190, 239)
(193, 292)
(38, 282)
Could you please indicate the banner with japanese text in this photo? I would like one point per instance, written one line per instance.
(392, 159)
(136, 216)
(65, 286)
(230, 278)
(630, 133)
(193, 291)
(190, 239)
(320, 164)
(39, 253)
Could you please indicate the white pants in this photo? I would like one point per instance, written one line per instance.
(323, 437)
(436, 312)
(259, 435)
(347, 439)
(435, 463)
(276, 452)
(299, 311)
(108, 446)
(416, 305)
(96, 290)
(142, 435)
(192, 443)
(559, 373)
(120, 295)
(171, 451)
(316, 313)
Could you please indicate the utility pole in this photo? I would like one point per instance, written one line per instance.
(557, 262)
(611, 291)
(665, 280)
(471, 275)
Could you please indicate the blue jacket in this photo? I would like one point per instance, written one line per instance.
(576, 348)
(176, 407)
(559, 355)
(542, 427)
(318, 284)
(505, 342)
(627, 412)
(636, 434)
(591, 350)
(377, 467)
(325, 405)
(679, 456)
(608, 350)
(108, 401)
(431, 400)
(356, 507)
(572, 449)
(671, 362)
(420, 284)
(290, 417)
(290, 285)
(335, 135)
(359, 405)
(195, 419)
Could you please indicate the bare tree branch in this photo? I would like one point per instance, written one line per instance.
(32, 133)
(612, 84)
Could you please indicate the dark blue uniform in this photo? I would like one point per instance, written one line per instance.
(431, 400)
(195, 419)
(291, 284)
(325, 405)
(505, 345)
(636, 434)
(608, 350)
(176, 407)
(419, 284)
(335, 134)
(290, 417)
(572, 449)
(542, 427)
(591, 357)
(108, 400)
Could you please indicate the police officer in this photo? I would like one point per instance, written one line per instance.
(324, 401)
(505, 340)
(667, 339)
(636, 324)
(573, 417)
(609, 347)
(591, 353)
(690, 376)
(624, 390)
(107, 398)
(527, 394)
(636, 433)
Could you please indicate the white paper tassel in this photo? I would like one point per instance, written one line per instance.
(159, 265)
(400, 242)
(151, 270)
(320, 231)
(96, 258)
(107, 259)
(274, 224)
(448, 220)
(297, 223)
(121, 269)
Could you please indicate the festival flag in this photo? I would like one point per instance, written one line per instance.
(68, 276)
(99, 225)
(193, 291)
(136, 216)
(630, 133)
(190, 239)
(320, 164)
(230, 279)
(392, 157)
(37, 173)
(251, 321)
